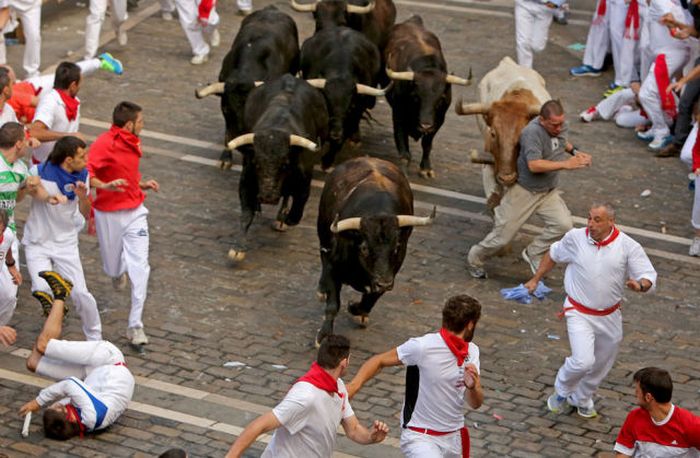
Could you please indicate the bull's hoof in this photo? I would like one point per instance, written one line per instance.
(236, 255)
(426, 173)
(361, 320)
(321, 296)
(225, 165)
(279, 226)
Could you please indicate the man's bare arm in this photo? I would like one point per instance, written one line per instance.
(261, 425)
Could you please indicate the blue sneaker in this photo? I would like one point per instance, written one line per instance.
(645, 136)
(558, 404)
(660, 143)
(585, 70)
(109, 63)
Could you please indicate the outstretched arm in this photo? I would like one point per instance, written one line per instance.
(358, 433)
(371, 368)
(261, 425)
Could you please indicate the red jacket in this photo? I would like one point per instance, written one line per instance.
(116, 154)
(21, 101)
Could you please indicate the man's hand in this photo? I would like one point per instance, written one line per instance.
(641, 286)
(33, 142)
(150, 184)
(579, 161)
(16, 276)
(668, 20)
(31, 406)
(58, 199)
(676, 87)
(115, 185)
(471, 376)
(379, 431)
(81, 190)
(8, 336)
(531, 285)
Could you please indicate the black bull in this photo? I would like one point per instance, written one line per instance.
(287, 122)
(344, 64)
(266, 47)
(422, 91)
(365, 218)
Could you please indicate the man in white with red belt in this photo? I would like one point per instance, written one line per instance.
(601, 261)
(442, 369)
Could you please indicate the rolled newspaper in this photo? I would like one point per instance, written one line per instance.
(25, 427)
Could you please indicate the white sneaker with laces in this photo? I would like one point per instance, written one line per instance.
(136, 336)
(589, 115)
(695, 247)
(557, 404)
(122, 39)
(166, 15)
(199, 59)
(215, 38)
(532, 262)
(587, 412)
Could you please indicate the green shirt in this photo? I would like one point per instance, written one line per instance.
(12, 178)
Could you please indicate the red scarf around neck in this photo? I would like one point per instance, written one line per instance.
(632, 21)
(607, 241)
(72, 412)
(71, 103)
(321, 379)
(458, 346)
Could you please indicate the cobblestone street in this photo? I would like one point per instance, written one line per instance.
(262, 315)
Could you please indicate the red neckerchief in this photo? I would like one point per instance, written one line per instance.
(632, 21)
(663, 79)
(321, 379)
(600, 13)
(72, 414)
(130, 139)
(71, 104)
(458, 346)
(607, 241)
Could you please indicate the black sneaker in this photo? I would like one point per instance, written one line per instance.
(45, 300)
(60, 287)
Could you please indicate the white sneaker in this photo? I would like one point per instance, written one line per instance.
(119, 282)
(589, 115)
(166, 15)
(532, 262)
(199, 59)
(695, 247)
(215, 38)
(136, 336)
(122, 39)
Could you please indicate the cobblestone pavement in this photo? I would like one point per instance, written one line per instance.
(203, 312)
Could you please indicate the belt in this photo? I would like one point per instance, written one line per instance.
(464, 433)
(588, 311)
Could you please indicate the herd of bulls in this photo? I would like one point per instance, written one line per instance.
(283, 125)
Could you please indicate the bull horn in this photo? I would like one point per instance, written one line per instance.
(245, 139)
(369, 90)
(318, 83)
(356, 9)
(347, 224)
(477, 158)
(471, 108)
(534, 110)
(258, 83)
(297, 140)
(303, 8)
(452, 79)
(411, 220)
(402, 76)
(214, 88)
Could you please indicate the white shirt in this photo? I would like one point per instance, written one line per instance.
(58, 224)
(310, 418)
(52, 112)
(660, 38)
(8, 238)
(595, 277)
(7, 114)
(101, 398)
(440, 402)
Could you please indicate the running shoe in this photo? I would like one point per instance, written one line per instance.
(136, 336)
(587, 412)
(109, 63)
(645, 136)
(45, 300)
(613, 89)
(119, 282)
(589, 115)
(660, 143)
(557, 404)
(585, 70)
(199, 59)
(60, 287)
(533, 263)
(695, 247)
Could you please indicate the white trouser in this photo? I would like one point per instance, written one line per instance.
(67, 358)
(66, 261)
(532, 21)
(417, 445)
(31, 25)
(621, 106)
(123, 237)
(45, 82)
(167, 5)
(630, 118)
(687, 157)
(630, 52)
(245, 5)
(8, 295)
(93, 23)
(187, 11)
(606, 34)
(595, 341)
(649, 93)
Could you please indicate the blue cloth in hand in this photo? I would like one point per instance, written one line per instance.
(520, 293)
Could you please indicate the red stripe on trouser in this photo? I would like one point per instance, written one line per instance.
(463, 432)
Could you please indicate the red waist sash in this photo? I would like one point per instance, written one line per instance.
(588, 311)
(464, 433)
